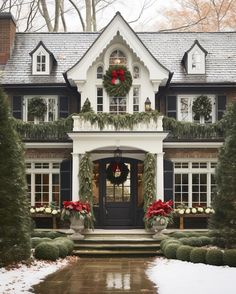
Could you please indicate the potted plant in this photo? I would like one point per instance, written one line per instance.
(79, 214)
(158, 215)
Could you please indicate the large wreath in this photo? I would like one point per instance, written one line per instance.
(117, 81)
(117, 173)
(37, 107)
(202, 107)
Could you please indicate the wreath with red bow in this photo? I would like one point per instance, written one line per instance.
(117, 173)
(117, 81)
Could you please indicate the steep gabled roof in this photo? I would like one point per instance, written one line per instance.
(41, 44)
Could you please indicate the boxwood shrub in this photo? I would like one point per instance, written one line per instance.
(179, 235)
(183, 252)
(205, 240)
(198, 255)
(214, 257)
(170, 250)
(63, 250)
(170, 241)
(46, 251)
(229, 257)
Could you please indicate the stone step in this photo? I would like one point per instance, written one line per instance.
(104, 252)
(116, 240)
(119, 246)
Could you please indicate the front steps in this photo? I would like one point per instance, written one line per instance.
(117, 242)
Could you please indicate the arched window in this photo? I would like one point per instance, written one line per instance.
(117, 57)
(136, 72)
(100, 72)
(196, 60)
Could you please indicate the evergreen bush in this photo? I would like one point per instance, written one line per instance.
(185, 241)
(169, 241)
(214, 257)
(15, 221)
(205, 240)
(63, 249)
(35, 241)
(183, 252)
(46, 251)
(179, 235)
(229, 257)
(198, 255)
(170, 250)
(69, 243)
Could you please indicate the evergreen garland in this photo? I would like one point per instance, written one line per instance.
(111, 169)
(149, 180)
(15, 221)
(37, 107)
(117, 81)
(202, 107)
(86, 184)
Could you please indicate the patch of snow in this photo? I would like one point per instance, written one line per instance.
(180, 277)
(21, 279)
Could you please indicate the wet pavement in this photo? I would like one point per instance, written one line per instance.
(100, 275)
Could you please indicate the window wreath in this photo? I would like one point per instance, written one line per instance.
(117, 173)
(37, 107)
(117, 81)
(202, 107)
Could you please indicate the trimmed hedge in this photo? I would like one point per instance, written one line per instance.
(198, 255)
(63, 249)
(179, 235)
(47, 234)
(205, 240)
(214, 257)
(183, 252)
(46, 251)
(170, 250)
(229, 257)
(172, 241)
(69, 243)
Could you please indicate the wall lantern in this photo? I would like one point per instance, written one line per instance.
(147, 104)
(117, 153)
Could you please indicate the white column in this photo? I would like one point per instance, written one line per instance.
(75, 177)
(160, 176)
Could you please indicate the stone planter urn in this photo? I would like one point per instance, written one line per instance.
(158, 227)
(77, 226)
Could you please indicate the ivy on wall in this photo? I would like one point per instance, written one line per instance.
(85, 183)
(149, 180)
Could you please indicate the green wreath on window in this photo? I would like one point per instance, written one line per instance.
(117, 173)
(202, 107)
(37, 107)
(117, 81)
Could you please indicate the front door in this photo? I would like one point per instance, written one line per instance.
(118, 203)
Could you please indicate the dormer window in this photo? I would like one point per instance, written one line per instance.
(194, 59)
(117, 57)
(42, 60)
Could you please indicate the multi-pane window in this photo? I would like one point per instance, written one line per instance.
(100, 72)
(43, 179)
(136, 95)
(194, 183)
(117, 57)
(136, 72)
(196, 61)
(51, 113)
(41, 62)
(185, 112)
(99, 99)
(118, 105)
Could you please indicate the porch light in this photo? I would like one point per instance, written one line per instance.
(147, 104)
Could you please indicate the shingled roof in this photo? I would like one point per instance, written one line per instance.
(167, 48)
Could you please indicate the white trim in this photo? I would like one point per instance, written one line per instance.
(202, 61)
(41, 145)
(192, 145)
(47, 62)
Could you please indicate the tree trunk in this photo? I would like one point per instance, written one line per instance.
(88, 15)
(46, 16)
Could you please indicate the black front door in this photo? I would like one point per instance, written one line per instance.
(118, 202)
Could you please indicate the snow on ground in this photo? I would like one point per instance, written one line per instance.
(21, 278)
(180, 277)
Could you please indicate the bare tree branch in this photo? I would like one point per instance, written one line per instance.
(80, 16)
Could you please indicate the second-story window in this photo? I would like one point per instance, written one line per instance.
(100, 72)
(99, 99)
(118, 105)
(136, 72)
(136, 91)
(196, 61)
(41, 62)
(117, 57)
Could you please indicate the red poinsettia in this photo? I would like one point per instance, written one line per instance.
(77, 208)
(159, 210)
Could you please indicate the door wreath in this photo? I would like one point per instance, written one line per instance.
(117, 173)
(117, 81)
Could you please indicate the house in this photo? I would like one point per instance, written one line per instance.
(174, 73)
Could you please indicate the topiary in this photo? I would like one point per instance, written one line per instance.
(46, 251)
(35, 241)
(63, 249)
(195, 241)
(185, 241)
(205, 240)
(214, 257)
(198, 255)
(179, 235)
(46, 239)
(170, 250)
(229, 257)
(53, 235)
(170, 241)
(69, 243)
(183, 252)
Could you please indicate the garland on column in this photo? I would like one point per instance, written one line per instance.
(86, 185)
(149, 179)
